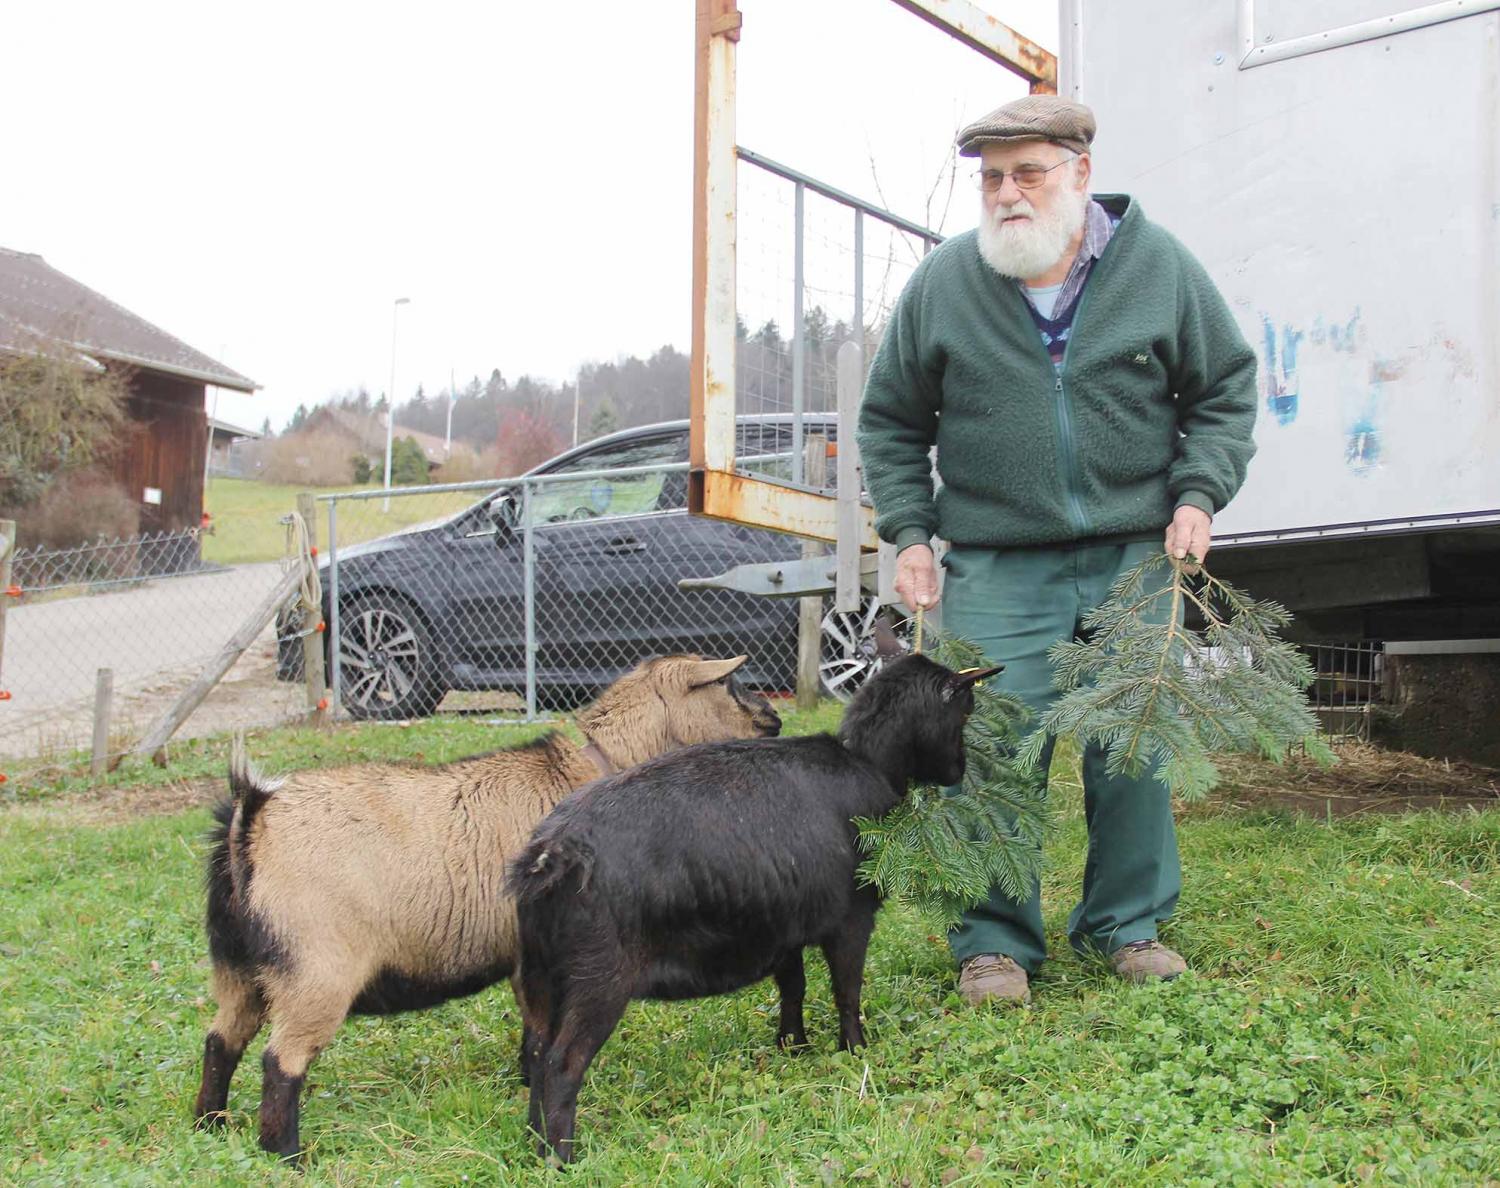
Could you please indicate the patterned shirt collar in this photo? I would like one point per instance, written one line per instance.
(1098, 226)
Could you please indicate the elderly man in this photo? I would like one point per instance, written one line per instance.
(1086, 387)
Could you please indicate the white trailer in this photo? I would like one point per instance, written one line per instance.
(1336, 167)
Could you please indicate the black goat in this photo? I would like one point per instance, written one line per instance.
(704, 871)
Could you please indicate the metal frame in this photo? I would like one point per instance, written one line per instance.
(1252, 55)
(1392, 527)
(997, 41)
(715, 487)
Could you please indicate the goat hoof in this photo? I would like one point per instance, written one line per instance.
(213, 1120)
(794, 1044)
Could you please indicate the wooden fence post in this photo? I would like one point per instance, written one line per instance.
(7, 548)
(104, 686)
(810, 610)
(312, 642)
(166, 725)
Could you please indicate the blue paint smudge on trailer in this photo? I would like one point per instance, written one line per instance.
(1362, 446)
(1283, 387)
(1364, 438)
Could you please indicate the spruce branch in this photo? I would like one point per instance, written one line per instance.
(942, 853)
(1154, 692)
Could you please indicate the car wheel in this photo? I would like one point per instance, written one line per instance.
(389, 661)
(849, 656)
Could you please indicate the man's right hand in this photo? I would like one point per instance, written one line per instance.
(916, 577)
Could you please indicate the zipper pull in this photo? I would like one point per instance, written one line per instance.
(1059, 384)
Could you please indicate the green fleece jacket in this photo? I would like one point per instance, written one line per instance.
(1153, 407)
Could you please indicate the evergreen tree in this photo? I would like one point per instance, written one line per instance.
(603, 421)
(408, 463)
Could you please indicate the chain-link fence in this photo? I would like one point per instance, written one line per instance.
(100, 641)
(521, 597)
(103, 562)
(545, 589)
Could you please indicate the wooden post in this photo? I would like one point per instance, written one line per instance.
(7, 548)
(104, 686)
(167, 724)
(848, 597)
(810, 611)
(312, 643)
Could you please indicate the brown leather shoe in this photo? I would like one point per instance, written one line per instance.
(993, 977)
(1147, 961)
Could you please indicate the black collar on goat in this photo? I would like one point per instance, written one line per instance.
(711, 868)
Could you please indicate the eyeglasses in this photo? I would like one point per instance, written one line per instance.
(1028, 177)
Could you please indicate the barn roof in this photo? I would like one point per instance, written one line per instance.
(39, 302)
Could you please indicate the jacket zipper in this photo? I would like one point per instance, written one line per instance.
(1071, 479)
(1072, 476)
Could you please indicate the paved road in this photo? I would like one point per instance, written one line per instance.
(53, 649)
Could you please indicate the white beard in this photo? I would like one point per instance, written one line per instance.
(1027, 249)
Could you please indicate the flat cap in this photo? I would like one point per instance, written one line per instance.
(1032, 117)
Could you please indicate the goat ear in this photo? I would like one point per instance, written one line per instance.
(887, 646)
(706, 672)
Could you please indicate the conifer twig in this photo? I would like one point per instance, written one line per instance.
(1158, 694)
(943, 852)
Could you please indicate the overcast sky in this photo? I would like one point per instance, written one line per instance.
(263, 180)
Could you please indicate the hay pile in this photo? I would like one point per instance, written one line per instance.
(1366, 778)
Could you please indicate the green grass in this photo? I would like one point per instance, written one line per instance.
(1340, 1025)
(246, 517)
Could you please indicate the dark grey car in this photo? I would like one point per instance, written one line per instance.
(443, 606)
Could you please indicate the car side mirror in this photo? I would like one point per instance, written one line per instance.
(503, 514)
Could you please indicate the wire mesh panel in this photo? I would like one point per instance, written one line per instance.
(1347, 685)
(541, 590)
(816, 269)
(809, 155)
(150, 613)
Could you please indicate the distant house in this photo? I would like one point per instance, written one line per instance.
(226, 450)
(365, 434)
(162, 463)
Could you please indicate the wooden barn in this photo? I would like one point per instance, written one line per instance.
(162, 463)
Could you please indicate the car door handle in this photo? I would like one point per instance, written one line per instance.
(623, 545)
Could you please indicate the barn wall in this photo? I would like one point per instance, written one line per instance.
(165, 450)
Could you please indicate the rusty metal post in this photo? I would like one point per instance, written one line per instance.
(975, 28)
(312, 641)
(810, 609)
(851, 377)
(711, 383)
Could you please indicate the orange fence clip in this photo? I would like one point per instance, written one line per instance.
(322, 626)
(13, 591)
(4, 694)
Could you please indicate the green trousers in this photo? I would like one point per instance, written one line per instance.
(1015, 603)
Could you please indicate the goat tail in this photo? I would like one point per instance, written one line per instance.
(547, 862)
(249, 791)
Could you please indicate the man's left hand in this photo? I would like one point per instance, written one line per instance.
(1188, 535)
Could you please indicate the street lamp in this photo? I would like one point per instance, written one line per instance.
(390, 401)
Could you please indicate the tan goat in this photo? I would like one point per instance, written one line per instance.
(380, 888)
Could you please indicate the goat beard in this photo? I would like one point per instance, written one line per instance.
(1028, 249)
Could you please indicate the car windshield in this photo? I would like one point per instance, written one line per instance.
(612, 495)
